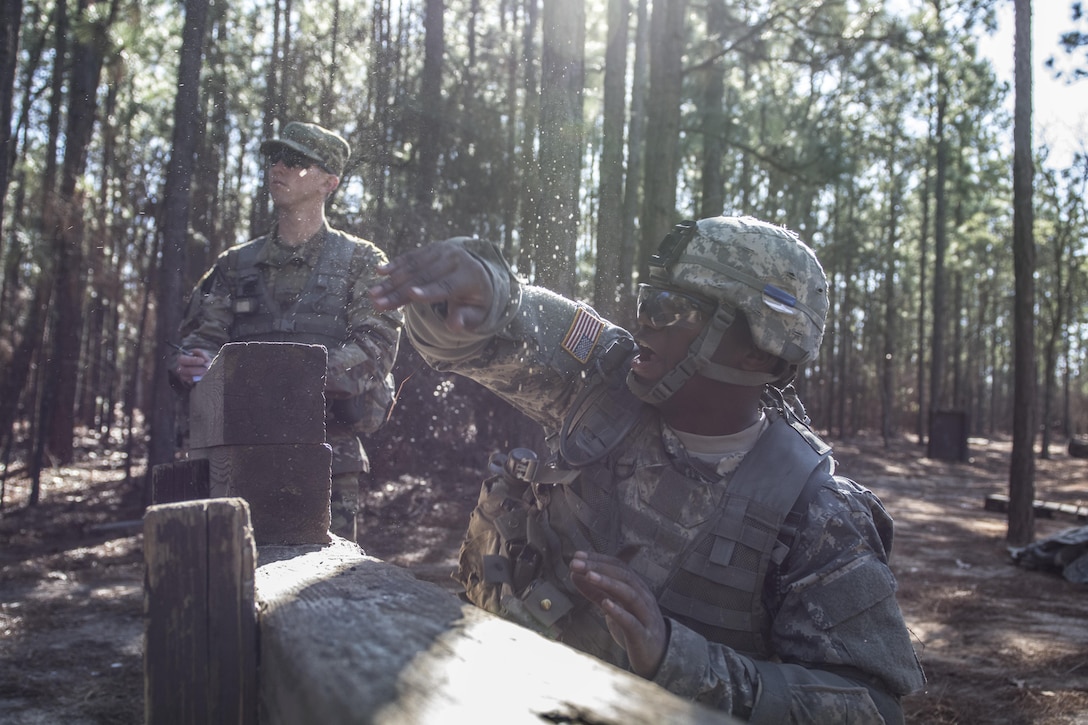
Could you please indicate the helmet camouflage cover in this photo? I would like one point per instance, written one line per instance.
(741, 264)
(763, 270)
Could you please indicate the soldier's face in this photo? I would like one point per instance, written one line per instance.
(660, 349)
(291, 185)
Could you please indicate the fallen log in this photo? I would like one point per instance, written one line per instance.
(999, 502)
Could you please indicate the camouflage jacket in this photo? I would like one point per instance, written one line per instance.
(837, 637)
(268, 297)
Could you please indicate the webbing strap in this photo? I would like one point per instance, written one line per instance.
(775, 471)
(773, 701)
(299, 324)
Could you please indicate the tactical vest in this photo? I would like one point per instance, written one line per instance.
(717, 584)
(318, 316)
(717, 589)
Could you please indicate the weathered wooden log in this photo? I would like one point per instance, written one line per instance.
(346, 638)
(999, 502)
(288, 488)
(200, 637)
(260, 393)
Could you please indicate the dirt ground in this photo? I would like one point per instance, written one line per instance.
(1001, 644)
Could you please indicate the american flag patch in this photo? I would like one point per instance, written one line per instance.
(582, 335)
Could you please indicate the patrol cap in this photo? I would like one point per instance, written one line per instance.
(329, 150)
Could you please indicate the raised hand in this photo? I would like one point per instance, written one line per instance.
(440, 273)
(630, 608)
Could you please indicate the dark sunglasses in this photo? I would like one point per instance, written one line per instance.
(290, 158)
(659, 308)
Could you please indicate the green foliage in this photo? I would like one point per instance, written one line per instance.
(826, 122)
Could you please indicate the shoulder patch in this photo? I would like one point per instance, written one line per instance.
(582, 336)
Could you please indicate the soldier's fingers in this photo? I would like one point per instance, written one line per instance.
(644, 641)
(605, 564)
(607, 586)
(430, 260)
(405, 271)
(397, 291)
(421, 275)
(618, 581)
(624, 619)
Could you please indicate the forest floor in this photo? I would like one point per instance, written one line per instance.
(1001, 644)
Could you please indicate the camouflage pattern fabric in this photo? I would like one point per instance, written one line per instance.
(344, 504)
(360, 365)
(753, 266)
(328, 149)
(838, 638)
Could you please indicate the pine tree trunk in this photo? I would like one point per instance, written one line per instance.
(176, 200)
(608, 287)
(1022, 465)
(562, 67)
(662, 124)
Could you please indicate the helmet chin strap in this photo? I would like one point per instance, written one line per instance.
(698, 361)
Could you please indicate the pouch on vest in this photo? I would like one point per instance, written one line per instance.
(508, 553)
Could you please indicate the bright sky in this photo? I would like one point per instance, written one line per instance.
(1060, 117)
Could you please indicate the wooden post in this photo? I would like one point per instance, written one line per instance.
(200, 644)
(258, 419)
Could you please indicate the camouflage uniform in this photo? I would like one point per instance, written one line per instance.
(361, 355)
(828, 642)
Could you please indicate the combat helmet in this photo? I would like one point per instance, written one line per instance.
(741, 264)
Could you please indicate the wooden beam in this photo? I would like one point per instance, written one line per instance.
(347, 638)
(260, 393)
(185, 480)
(288, 488)
(258, 424)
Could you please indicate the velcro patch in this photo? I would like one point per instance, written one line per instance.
(582, 336)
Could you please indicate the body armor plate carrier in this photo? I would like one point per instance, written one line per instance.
(514, 557)
(717, 590)
(318, 316)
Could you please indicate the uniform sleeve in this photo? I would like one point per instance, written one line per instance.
(843, 650)
(208, 315)
(533, 349)
(363, 364)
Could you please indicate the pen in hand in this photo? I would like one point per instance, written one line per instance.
(191, 353)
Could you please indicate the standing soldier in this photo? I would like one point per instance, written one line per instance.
(689, 525)
(305, 282)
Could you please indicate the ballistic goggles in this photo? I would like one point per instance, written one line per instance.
(659, 308)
